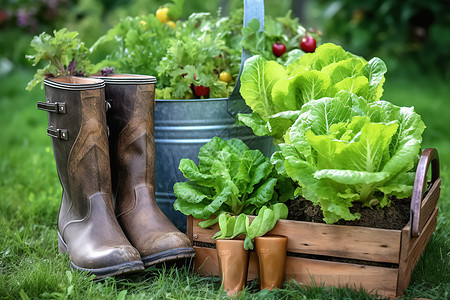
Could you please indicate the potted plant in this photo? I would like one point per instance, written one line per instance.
(230, 182)
(342, 146)
(232, 252)
(197, 63)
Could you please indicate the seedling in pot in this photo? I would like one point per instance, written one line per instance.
(65, 53)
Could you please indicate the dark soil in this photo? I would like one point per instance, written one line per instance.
(394, 217)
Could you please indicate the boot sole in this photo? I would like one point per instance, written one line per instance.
(100, 273)
(172, 255)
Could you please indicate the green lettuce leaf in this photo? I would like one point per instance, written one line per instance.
(257, 82)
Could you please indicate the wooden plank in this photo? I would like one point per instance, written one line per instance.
(429, 203)
(315, 272)
(203, 235)
(403, 266)
(189, 227)
(411, 251)
(379, 280)
(363, 243)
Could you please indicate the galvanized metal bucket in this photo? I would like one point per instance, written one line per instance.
(183, 126)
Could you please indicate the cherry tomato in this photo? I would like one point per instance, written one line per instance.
(201, 91)
(278, 49)
(161, 14)
(225, 76)
(308, 44)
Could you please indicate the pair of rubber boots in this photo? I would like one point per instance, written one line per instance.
(109, 222)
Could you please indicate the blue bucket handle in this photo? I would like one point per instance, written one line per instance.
(252, 9)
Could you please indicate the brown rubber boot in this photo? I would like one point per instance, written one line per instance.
(131, 124)
(87, 227)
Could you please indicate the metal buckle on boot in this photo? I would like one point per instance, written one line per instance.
(61, 134)
(57, 107)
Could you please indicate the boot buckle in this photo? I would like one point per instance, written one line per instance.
(56, 107)
(61, 134)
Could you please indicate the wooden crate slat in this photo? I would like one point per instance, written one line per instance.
(373, 279)
(412, 249)
(361, 243)
(378, 280)
(429, 203)
(353, 242)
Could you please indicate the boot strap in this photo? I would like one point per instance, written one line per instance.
(61, 134)
(57, 107)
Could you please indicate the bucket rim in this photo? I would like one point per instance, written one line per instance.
(192, 100)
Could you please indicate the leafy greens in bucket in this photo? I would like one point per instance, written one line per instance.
(231, 179)
(345, 149)
(276, 94)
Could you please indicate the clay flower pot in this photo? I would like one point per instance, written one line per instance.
(271, 251)
(233, 265)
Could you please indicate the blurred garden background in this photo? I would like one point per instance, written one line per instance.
(411, 36)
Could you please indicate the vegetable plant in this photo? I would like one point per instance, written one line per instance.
(346, 149)
(229, 179)
(64, 53)
(280, 39)
(196, 51)
(276, 93)
(234, 226)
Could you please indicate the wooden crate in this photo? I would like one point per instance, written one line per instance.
(379, 260)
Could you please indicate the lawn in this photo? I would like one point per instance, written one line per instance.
(31, 267)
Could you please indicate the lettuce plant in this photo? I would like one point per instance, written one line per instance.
(233, 226)
(64, 53)
(229, 179)
(345, 149)
(276, 94)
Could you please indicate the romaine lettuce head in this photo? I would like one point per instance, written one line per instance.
(274, 93)
(229, 178)
(344, 149)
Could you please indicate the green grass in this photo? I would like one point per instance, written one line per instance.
(31, 267)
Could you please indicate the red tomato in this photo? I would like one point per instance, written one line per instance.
(278, 49)
(201, 91)
(308, 44)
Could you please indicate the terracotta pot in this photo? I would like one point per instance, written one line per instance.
(233, 265)
(271, 251)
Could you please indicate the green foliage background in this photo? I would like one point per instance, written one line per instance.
(20, 20)
(413, 34)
